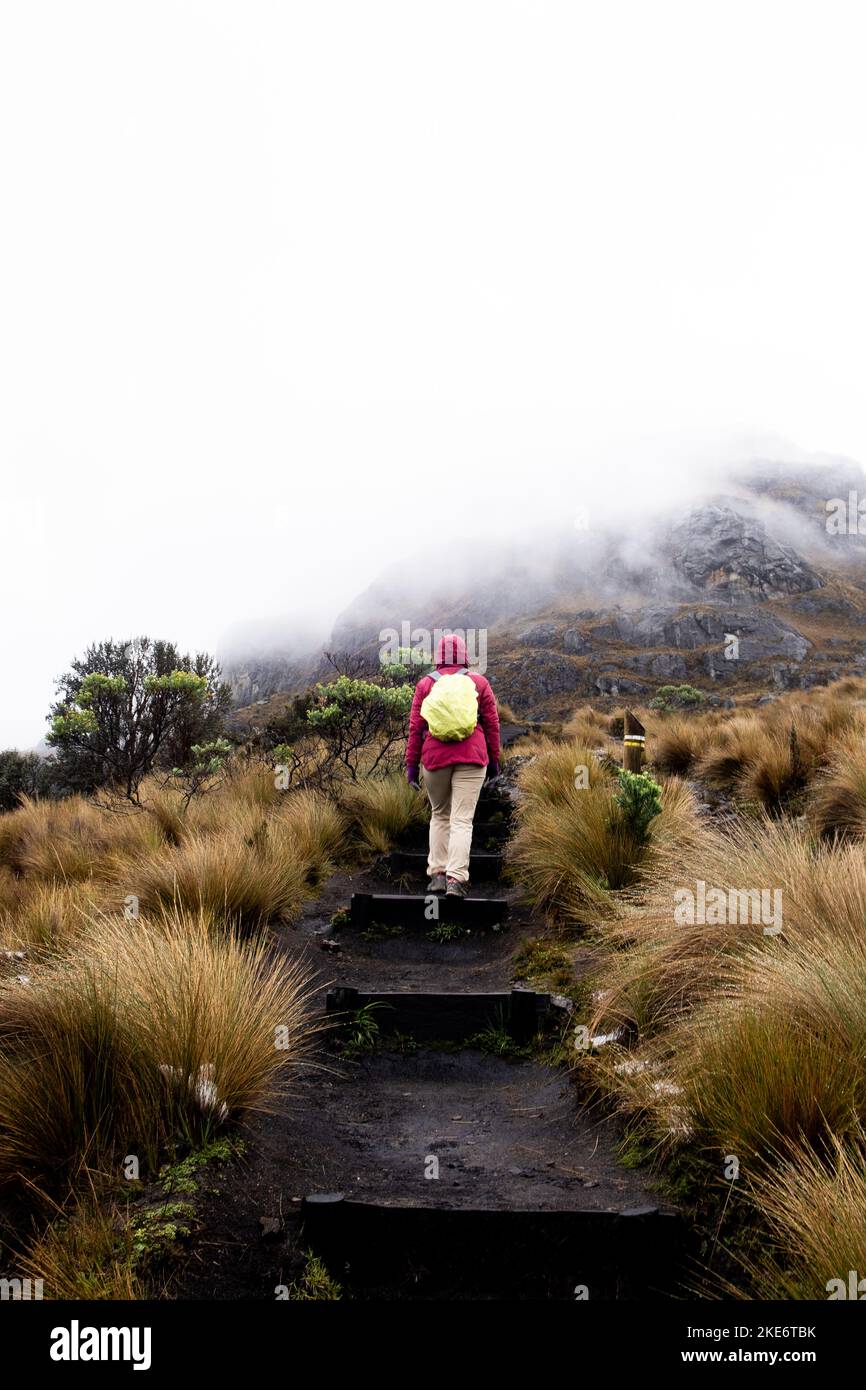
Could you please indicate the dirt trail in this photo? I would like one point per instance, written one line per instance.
(451, 1131)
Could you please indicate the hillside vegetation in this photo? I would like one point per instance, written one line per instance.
(728, 1007)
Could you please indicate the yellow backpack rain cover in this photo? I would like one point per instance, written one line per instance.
(451, 708)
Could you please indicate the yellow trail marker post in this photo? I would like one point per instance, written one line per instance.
(633, 743)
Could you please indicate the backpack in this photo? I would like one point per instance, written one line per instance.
(451, 707)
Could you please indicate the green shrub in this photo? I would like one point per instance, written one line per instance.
(639, 800)
(671, 697)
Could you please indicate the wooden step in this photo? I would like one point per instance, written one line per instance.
(450, 1017)
(425, 910)
(567, 1254)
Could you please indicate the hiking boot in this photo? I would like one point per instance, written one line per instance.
(456, 889)
(438, 883)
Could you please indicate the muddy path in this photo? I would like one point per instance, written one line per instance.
(428, 1165)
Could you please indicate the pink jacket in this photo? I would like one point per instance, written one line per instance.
(482, 745)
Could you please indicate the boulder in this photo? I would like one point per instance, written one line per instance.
(538, 635)
(575, 642)
(760, 634)
(718, 548)
(619, 685)
(526, 680)
(668, 665)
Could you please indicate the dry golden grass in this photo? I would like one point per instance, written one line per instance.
(737, 745)
(661, 967)
(65, 841)
(838, 802)
(815, 1208)
(150, 1035)
(87, 1253)
(242, 879)
(757, 1037)
(49, 916)
(675, 745)
(556, 769)
(587, 727)
(738, 1041)
(380, 810)
(311, 828)
(10, 892)
(572, 850)
(54, 840)
(253, 784)
(167, 809)
(750, 1081)
(244, 851)
(779, 770)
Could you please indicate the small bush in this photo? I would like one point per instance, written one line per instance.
(639, 801)
(671, 697)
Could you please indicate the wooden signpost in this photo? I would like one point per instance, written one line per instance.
(633, 743)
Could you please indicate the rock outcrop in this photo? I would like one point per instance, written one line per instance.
(714, 597)
(719, 549)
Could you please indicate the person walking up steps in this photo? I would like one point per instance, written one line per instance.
(454, 743)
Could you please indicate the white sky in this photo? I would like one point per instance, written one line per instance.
(285, 287)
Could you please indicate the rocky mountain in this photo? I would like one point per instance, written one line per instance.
(746, 591)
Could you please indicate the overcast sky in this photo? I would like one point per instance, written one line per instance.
(285, 287)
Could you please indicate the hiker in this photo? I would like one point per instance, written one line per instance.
(454, 764)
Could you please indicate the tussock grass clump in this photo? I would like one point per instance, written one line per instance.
(252, 784)
(759, 1036)
(85, 1254)
(838, 802)
(781, 765)
(73, 840)
(242, 878)
(815, 1208)
(310, 828)
(573, 849)
(663, 967)
(736, 747)
(167, 809)
(554, 772)
(55, 840)
(780, 1057)
(10, 834)
(676, 744)
(381, 810)
(750, 1084)
(149, 1036)
(49, 916)
(10, 893)
(587, 727)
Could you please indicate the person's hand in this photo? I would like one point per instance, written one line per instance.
(492, 771)
(412, 777)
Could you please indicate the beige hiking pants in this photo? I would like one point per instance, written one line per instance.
(453, 793)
